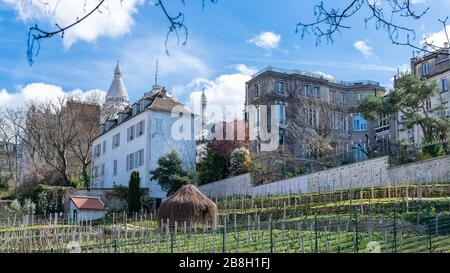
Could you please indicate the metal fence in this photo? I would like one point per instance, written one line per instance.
(404, 154)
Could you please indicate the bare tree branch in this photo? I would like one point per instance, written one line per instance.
(330, 21)
(36, 34)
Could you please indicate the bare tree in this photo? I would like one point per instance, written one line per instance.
(313, 125)
(51, 134)
(272, 166)
(384, 15)
(11, 136)
(85, 118)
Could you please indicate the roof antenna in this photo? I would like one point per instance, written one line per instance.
(156, 72)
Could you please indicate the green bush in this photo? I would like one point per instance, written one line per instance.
(120, 191)
(170, 173)
(423, 155)
(433, 147)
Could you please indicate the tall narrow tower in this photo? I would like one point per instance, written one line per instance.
(204, 117)
(117, 97)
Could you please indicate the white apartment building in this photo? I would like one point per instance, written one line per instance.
(138, 136)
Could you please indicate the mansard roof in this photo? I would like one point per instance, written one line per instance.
(159, 101)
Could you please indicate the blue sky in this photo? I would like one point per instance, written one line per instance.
(223, 48)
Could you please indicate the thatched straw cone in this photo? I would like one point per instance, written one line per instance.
(188, 205)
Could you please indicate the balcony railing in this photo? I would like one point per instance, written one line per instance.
(381, 129)
(317, 75)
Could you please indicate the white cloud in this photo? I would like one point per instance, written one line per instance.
(41, 92)
(115, 18)
(377, 2)
(225, 93)
(364, 48)
(266, 39)
(437, 38)
(138, 61)
(417, 2)
(325, 75)
(404, 67)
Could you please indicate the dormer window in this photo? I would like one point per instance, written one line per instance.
(134, 110)
(142, 106)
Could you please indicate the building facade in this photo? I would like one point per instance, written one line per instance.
(432, 67)
(303, 97)
(138, 137)
(13, 160)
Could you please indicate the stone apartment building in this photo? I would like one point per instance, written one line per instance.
(290, 92)
(433, 67)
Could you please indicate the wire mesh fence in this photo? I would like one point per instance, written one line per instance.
(423, 228)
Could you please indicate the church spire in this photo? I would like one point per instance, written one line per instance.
(204, 118)
(156, 72)
(156, 87)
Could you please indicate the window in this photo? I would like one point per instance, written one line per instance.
(359, 151)
(258, 116)
(311, 116)
(281, 138)
(95, 171)
(444, 85)
(333, 96)
(157, 125)
(342, 98)
(428, 104)
(115, 167)
(142, 106)
(359, 124)
(97, 150)
(280, 88)
(281, 114)
(425, 69)
(305, 89)
(383, 120)
(256, 90)
(103, 170)
(316, 92)
(134, 110)
(130, 133)
(104, 147)
(130, 162)
(359, 97)
(116, 141)
(139, 158)
(343, 124)
(140, 128)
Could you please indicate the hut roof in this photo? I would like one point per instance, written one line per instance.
(190, 205)
(88, 202)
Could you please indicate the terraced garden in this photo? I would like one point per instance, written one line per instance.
(389, 219)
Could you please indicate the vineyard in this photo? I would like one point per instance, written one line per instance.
(389, 220)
